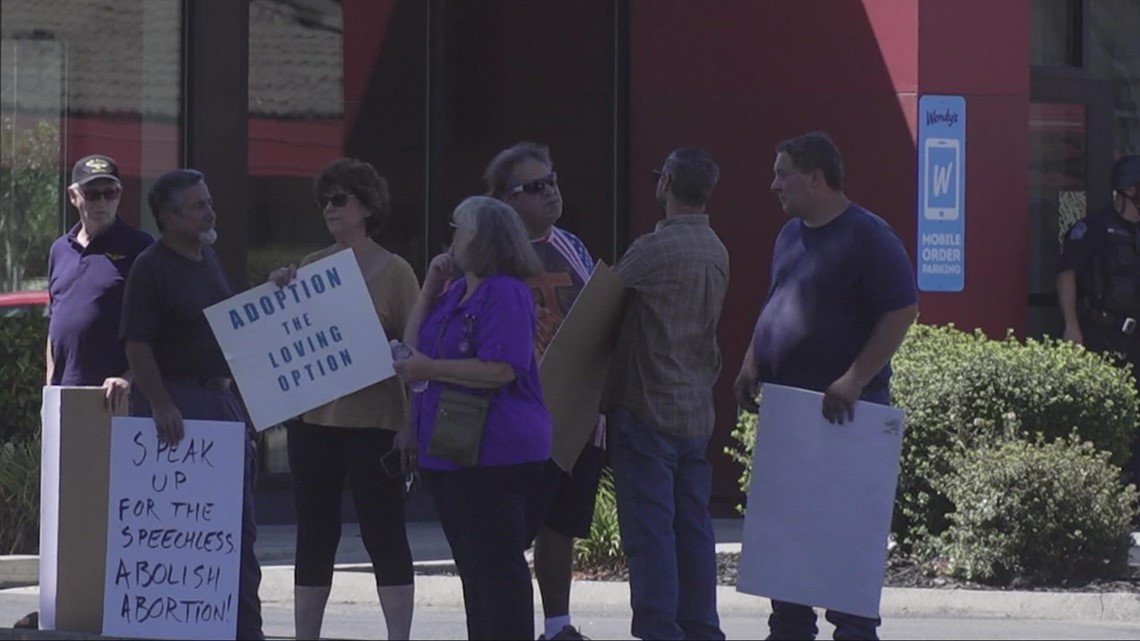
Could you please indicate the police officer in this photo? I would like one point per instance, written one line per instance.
(1099, 281)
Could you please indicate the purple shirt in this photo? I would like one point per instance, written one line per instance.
(830, 286)
(496, 324)
(86, 288)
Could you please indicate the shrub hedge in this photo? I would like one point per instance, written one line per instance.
(1041, 513)
(22, 340)
(963, 390)
(602, 549)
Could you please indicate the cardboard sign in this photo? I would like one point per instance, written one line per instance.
(74, 472)
(174, 531)
(297, 347)
(820, 502)
(577, 361)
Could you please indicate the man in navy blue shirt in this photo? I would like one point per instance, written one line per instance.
(87, 271)
(178, 364)
(841, 300)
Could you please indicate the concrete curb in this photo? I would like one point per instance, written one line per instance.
(445, 592)
(18, 570)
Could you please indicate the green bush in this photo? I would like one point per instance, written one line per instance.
(20, 496)
(1039, 513)
(962, 390)
(740, 450)
(602, 550)
(22, 340)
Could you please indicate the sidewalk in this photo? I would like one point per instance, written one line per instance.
(353, 585)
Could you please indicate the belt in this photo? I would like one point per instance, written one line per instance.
(217, 383)
(1124, 324)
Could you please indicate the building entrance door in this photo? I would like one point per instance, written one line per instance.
(1070, 156)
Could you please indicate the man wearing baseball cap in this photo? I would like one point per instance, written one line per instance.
(1099, 281)
(87, 271)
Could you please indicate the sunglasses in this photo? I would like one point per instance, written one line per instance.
(108, 193)
(536, 186)
(337, 200)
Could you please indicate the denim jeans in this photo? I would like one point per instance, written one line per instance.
(795, 621)
(490, 516)
(663, 484)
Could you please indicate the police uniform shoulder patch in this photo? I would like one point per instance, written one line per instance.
(1078, 230)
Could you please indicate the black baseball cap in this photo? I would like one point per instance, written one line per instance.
(93, 167)
(1126, 172)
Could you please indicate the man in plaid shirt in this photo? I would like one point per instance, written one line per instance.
(661, 409)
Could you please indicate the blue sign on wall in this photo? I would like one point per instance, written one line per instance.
(942, 193)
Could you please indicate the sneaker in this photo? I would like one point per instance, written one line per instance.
(567, 633)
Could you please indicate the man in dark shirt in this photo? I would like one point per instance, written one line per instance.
(523, 176)
(177, 362)
(87, 270)
(1098, 284)
(661, 411)
(841, 300)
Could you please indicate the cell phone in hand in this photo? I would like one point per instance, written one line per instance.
(390, 463)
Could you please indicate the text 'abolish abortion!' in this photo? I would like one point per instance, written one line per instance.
(304, 357)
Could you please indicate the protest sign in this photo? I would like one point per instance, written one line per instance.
(820, 503)
(297, 347)
(174, 531)
(74, 468)
(576, 363)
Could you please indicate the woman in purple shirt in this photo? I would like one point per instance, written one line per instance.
(477, 337)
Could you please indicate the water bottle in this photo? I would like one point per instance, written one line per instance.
(401, 352)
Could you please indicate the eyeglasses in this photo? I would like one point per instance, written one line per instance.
(337, 200)
(109, 193)
(537, 185)
(657, 174)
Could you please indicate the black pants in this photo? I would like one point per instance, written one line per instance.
(321, 458)
(490, 516)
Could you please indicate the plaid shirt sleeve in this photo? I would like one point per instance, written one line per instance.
(639, 262)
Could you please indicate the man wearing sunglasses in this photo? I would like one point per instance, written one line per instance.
(523, 176)
(87, 271)
(660, 411)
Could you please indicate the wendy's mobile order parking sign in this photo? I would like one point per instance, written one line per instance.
(942, 193)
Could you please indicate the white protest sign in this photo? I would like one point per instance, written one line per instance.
(298, 347)
(820, 503)
(174, 531)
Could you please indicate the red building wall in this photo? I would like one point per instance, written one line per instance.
(738, 77)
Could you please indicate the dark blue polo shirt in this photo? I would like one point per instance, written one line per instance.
(830, 286)
(86, 288)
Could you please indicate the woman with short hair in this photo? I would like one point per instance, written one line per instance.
(349, 437)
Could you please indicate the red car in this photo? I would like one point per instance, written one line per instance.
(17, 303)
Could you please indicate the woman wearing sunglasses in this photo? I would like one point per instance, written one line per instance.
(483, 431)
(350, 437)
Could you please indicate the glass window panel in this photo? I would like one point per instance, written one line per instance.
(1054, 33)
(1114, 54)
(1057, 197)
(65, 94)
(328, 79)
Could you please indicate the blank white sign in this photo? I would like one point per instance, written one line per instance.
(820, 503)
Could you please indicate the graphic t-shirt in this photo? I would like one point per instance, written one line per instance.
(566, 268)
